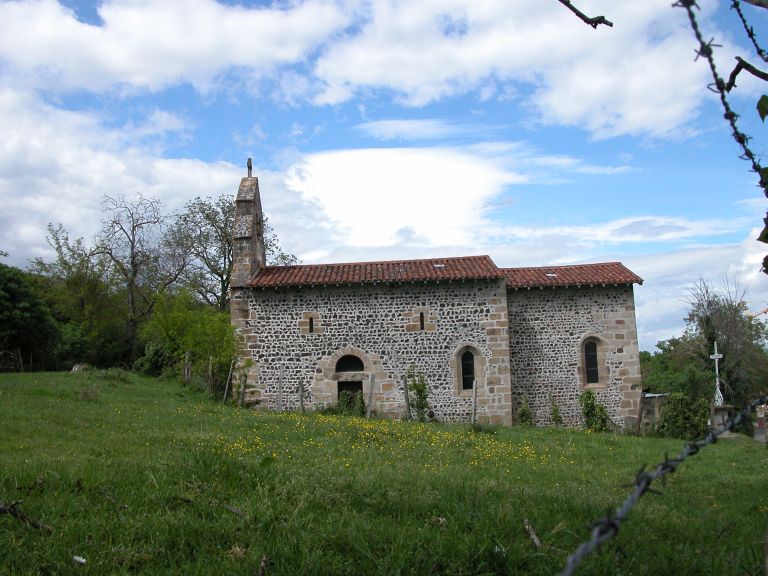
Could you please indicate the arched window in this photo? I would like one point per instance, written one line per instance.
(467, 370)
(591, 371)
(311, 325)
(349, 363)
(421, 321)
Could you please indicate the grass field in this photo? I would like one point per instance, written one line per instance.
(141, 476)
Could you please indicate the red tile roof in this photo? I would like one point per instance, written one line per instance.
(578, 275)
(433, 269)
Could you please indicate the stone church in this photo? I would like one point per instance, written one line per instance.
(542, 334)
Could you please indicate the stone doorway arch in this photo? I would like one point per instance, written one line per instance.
(349, 368)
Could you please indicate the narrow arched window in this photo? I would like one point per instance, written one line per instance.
(311, 325)
(590, 362)
(421, 321)
(467, 370)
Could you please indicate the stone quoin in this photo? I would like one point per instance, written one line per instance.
(541, 334)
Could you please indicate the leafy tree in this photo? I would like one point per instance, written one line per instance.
(26, 324)
(80, 289)
(722, 316)
(683, 367)
(672, 369)
(206, 225)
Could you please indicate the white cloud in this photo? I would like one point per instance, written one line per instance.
(424, 129)
(152, 45)
(377, 196)
(649, 229)
(638, 77)
(159, 123)
(55, 166)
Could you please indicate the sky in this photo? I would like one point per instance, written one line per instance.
(394, 129)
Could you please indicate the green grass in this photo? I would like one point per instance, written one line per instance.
(141, 476)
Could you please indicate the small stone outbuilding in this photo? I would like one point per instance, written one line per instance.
(541, 334)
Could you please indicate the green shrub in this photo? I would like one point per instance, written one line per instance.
(419, 393)
(682, 417)
(554, 412)
(478, 428)
(181, 325)
(594, 414)
(349, 404)
(358, 405)
(524, 414)
(155, 360)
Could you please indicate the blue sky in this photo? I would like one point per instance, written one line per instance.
(388, 129)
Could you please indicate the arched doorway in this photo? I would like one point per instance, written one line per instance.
(349, 369)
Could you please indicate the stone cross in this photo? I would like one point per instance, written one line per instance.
(718, 395)
(249, 165)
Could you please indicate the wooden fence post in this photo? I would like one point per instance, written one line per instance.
(407, 398)
(229, 379)
(241, 396)
(371, 383)
(187, 373)
(474, 401)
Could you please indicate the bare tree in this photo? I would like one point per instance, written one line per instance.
(147, 255)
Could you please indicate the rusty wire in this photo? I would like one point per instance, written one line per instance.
(605, 528)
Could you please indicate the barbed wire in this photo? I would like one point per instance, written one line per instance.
(736, 5)
(603, 529)
(705, 51)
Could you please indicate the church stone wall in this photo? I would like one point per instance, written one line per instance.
(380, 324)
(547, 330)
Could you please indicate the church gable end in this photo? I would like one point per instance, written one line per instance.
(573, 328)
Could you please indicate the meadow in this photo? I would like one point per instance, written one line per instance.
(136, 475)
